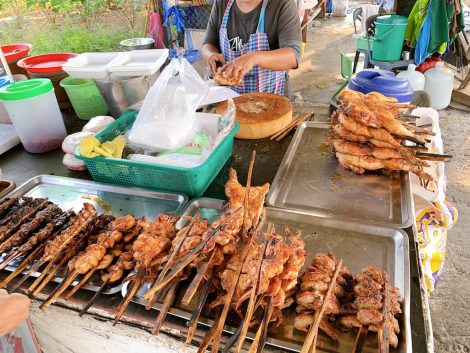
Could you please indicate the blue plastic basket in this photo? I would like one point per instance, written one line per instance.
(190, 181)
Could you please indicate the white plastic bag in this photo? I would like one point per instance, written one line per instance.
(340, 7)
(167, 118)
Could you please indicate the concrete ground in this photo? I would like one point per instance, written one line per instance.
(315, 81)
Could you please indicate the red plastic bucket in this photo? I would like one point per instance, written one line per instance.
(15, 52)
(45, 63)
(49, 66)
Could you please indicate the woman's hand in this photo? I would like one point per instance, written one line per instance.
(14, 309)
(239, 67)
(213, 59)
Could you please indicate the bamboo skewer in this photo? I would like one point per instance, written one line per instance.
(215, 333)
(35, 291)
(289, 127)
(43, 274)
(80, 284)
(313, 332)
(153, 295)
(28, 274)
(169, 297)
(254, 292)
(194, 285)
(22, 265)
(412, 139)
(181, 266)
(264, 327)
(193, 321)
(382, 333)
(434, 157)
(360, 339)
(95, 297)
(130, 293)
(67, 281)
(260, 336)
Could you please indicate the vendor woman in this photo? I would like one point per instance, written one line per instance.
(257, 41)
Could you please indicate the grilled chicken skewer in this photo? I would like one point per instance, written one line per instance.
(18, 219)
(55, 223)
(372, 310)
(154, 241)
(27, 228)
(359, 164)
(314, 285)
(87, 236)
(94, 253)
(57, 245)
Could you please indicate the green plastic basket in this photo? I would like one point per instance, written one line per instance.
(190, 181)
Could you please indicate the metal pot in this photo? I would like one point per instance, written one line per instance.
(121, 94)
(137, 43)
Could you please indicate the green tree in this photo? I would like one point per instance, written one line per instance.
(51, 9)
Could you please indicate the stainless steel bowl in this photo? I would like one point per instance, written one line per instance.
(137, 43)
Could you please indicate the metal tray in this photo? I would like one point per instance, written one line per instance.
(71, 193)
(310, 179)
(358, 245)
(210, 209)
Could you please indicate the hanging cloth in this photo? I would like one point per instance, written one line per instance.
(259, 79)
(422, 44)
(446, 24)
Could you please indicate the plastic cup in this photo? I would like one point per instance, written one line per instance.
(86, 100)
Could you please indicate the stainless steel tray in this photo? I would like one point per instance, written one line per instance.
(358, 245)
(310, 179)
(71, 193)
(210, 209)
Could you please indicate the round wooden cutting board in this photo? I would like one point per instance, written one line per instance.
(260, 115)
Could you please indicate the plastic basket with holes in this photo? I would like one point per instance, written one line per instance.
(190, 181)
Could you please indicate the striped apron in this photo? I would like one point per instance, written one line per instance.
(259, 79)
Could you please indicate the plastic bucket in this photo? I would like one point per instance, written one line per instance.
(33, 109)
(86, 100)
(389, 37)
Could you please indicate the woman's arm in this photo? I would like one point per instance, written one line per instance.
(278, 60)
(212, 56)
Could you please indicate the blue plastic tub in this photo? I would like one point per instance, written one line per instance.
(382, 81)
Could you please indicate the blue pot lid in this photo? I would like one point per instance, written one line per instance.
(4, 81)
(385, 82)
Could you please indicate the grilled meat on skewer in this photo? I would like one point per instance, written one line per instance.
(21, 235)
(236, 195)
(359, 164)
(313, 287)
(15, 209)
(7, 204)
(367, 310)
(17, 220)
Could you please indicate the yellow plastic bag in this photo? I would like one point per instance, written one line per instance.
(432, 224)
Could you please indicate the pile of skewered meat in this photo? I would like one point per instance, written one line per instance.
(230, 264)
(313, 288)
(375, 307)
(367, 133)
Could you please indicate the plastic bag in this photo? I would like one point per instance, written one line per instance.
(213, 129)
(435, 216)
(432, 224)
(167, 118)
(340, 7)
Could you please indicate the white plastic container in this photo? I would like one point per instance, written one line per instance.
(34, 111)
(415, 78)
(138, 63)
(439, 85)
(90, 65)
(4, 117)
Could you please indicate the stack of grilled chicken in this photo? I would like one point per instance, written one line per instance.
(367, 133)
